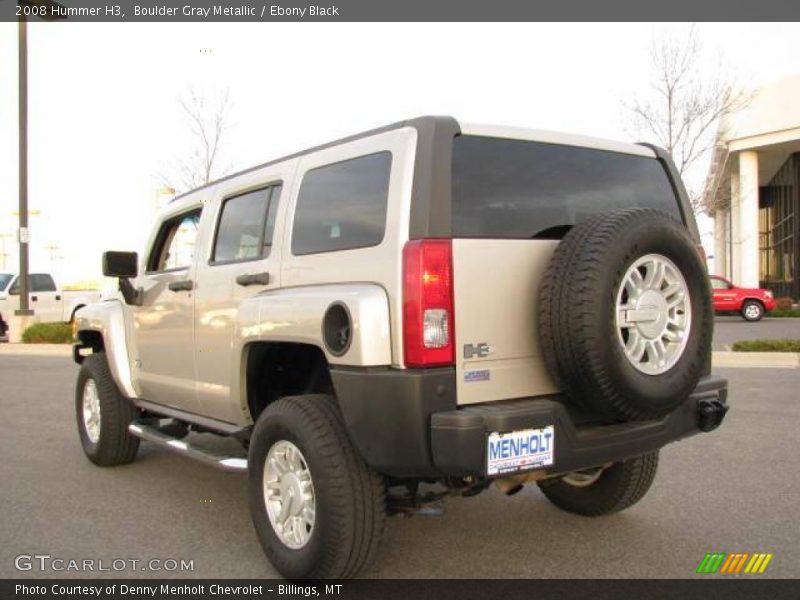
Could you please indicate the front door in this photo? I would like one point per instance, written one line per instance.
(165, 366)
(240, 264)
(724, 296)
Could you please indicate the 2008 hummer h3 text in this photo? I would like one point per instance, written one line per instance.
(428, 303)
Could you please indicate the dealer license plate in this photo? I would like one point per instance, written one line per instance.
(518, 450)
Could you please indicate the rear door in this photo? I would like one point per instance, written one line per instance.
(46, 300)
(243, 260)
(513, 199)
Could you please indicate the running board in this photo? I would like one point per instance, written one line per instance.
(151, 434)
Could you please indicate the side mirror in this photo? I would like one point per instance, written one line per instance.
(120, 264)
(123, 265)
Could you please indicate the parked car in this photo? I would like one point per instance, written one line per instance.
(751, 303)
(418, 311)
(49, 302)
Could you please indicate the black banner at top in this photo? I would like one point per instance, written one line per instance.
(108, 11)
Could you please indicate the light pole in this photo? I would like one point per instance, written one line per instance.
(23, 234)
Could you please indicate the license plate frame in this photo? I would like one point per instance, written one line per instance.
(520, 450)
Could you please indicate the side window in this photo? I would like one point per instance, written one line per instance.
(42, 282)
(718, 284)
(37, 282)
(174, 245)
(342, 206)
(246, 226)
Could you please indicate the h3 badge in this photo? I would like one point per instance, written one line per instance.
(481, 350)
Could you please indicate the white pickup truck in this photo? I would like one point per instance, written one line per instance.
(49, 303)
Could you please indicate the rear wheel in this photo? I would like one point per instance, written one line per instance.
(318, 509)
(602, 491)
(103, 415)
(753, 310)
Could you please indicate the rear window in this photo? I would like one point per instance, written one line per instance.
(521, 190)
(343, 206)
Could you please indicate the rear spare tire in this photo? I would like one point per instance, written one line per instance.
(625, 314)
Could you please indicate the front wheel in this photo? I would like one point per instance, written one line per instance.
(318, 509)
(753, 310)
(602, 491)
(103, 415)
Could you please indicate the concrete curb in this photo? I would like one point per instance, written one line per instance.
(756, 360)
(36, 349)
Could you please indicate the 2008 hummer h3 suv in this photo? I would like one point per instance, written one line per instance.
(427, 303)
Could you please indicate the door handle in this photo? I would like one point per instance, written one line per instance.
(34, 298)
(58, 297)
(253, 279)
(184, 285)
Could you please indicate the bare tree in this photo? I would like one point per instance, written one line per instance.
(687, 105)
(209, 121)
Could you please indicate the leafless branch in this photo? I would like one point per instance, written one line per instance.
(686, 106)
(209, 122)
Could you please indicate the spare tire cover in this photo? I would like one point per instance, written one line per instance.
(625, 314)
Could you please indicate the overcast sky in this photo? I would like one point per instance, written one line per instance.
(104, 116)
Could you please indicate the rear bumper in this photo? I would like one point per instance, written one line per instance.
(407, 424)
(458, 437)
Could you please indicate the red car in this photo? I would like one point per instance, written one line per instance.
(750, 303)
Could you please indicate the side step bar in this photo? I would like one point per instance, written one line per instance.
(151, 434)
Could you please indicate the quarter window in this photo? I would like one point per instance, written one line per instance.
(246, 226)
(175, 243)
(343, 206)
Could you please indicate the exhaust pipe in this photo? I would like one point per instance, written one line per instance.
(513, 484)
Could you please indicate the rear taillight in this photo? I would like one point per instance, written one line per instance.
(428, 326)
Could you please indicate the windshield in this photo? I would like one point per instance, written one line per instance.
(516, 189)
(4, 279)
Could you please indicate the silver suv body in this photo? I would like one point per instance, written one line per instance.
(397, 275)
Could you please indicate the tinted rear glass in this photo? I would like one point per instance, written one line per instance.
(518, 189)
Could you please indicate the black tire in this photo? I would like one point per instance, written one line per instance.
(577, 306)
(752, 310)
(115, 445)
(350, 498)
(619, 486)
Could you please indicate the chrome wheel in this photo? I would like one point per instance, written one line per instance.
(653, 314)
(583, 478)
(91, 411)
(752, 312)
(289, 494)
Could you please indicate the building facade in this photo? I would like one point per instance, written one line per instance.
(753, 192)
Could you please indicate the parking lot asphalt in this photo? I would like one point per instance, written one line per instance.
(728, 330)
(733, 490)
